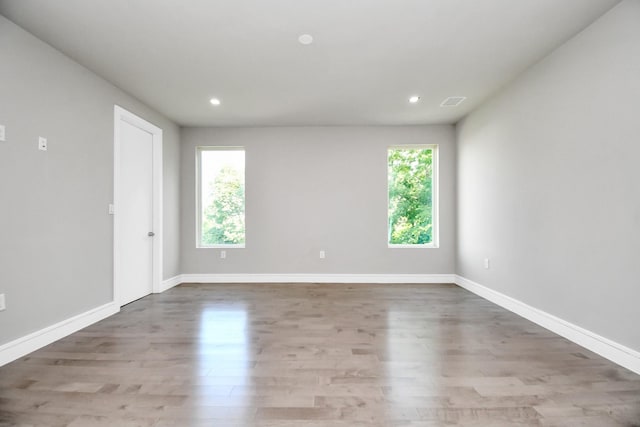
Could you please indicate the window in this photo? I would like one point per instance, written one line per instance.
(412, 190)
(220, 197)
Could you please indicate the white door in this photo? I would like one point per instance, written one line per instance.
(135, 211)
(137, 197)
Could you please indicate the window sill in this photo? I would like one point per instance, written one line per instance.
(242, 246)
(427, 246)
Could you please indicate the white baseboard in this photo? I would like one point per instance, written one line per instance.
(317, 278)
(170, 283)
(22, 346)
(617, 353)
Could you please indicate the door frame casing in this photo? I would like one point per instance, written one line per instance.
(122, 115)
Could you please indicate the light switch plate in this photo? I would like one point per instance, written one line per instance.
(2, 133)
(42, 144)
(3, 305)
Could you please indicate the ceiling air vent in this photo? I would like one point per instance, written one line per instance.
(453, 101)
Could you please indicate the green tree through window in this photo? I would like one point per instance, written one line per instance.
(411, 204)
(222, 195)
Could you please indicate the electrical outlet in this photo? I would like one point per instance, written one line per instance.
(2, 133)
(223, 254)
(42, 144)
(322, 255)
(3, 305)
(486, 263)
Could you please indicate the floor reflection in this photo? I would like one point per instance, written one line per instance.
(224, 355)
(413, 352)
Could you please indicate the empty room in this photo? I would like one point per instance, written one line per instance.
(309, 213)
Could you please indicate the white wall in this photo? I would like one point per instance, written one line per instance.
(56, 237)
(313, 188)
(549, 182)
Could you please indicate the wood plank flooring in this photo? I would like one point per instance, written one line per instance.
(306, 355)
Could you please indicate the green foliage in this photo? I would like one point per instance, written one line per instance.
(223, 218)
(410, 196)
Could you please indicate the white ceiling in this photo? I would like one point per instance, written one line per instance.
(367, 58)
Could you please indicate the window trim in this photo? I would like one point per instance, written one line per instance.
(435, 198)
(199, 150)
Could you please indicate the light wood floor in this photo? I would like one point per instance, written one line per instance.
(316, 355)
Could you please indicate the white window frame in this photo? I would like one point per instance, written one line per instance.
(199, 151)
(435, 227)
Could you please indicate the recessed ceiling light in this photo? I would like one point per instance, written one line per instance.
(214, 101)
(414, 99)
(305, 39)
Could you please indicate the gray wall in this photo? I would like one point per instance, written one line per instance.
(549, 183)
(56, 237)
(313, 188)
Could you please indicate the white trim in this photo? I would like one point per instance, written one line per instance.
(15, 349)
(120, 115)
(416, 246)
(169, 283)
(223, 246)
(158, 210)
(317, 278)
(616, 352)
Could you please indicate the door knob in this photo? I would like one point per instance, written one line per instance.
(151, 234)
